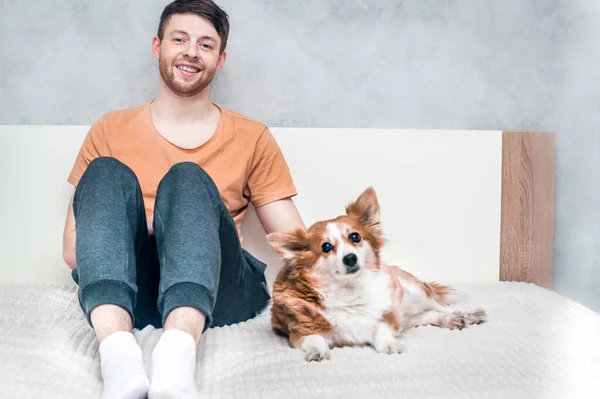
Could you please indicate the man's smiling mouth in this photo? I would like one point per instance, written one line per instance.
(188, 69)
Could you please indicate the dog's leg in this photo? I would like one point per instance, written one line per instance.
(473, 316)
(315, 347)
(384, 340)
(449, 318)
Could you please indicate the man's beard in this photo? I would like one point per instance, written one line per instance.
(185, 88)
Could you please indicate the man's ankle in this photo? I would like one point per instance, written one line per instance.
(188, 320)
(109, 319)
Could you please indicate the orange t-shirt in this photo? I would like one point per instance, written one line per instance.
(242, 157)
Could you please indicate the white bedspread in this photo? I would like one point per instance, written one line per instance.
(536, 344)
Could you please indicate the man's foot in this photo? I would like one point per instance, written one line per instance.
(122, 367)
(173, 367)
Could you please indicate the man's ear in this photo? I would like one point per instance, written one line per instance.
(156, 47)
(221, 60)
(366, 209)
(288, 244)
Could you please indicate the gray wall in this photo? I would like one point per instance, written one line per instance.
(467, 64)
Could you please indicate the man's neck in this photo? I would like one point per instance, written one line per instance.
(170, 108)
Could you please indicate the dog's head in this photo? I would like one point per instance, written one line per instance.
(339, 248)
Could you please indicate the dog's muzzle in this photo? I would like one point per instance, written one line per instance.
(350, 261)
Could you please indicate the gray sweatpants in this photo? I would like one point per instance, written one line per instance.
(193, 259)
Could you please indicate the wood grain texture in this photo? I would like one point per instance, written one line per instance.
(527, 223)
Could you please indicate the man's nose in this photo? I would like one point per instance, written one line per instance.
(192, 51)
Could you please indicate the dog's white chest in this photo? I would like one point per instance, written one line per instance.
(355, 310)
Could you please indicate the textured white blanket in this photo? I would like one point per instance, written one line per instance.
(536, 344)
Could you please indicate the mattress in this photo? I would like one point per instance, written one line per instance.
(535, 344)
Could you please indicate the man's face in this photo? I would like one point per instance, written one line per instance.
(188, 56)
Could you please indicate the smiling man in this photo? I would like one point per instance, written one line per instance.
(153, 231)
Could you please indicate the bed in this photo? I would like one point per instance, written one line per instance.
(470, 208)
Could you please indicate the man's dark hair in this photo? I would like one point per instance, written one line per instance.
(203, 8)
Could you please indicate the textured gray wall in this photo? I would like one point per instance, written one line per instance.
(467, 64)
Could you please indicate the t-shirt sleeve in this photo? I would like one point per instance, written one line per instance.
(92, 148)
(270, 178)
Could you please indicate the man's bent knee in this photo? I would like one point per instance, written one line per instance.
(107, 164)
(182, 174)
(104, 172)
(183, 170)
(107, 170)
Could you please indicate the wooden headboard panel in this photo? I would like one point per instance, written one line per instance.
(457, 205)
(528, 175)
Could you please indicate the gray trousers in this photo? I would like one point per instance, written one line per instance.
(193, 259)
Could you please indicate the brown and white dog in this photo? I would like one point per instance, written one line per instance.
(334, 289)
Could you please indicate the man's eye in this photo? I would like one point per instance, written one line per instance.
(326, 247)
(178, 40)
(207, 46)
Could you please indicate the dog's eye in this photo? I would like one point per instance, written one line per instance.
(326, 247)
(355, 237)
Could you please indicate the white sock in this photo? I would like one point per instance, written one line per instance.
(173, 367)
(122, 367)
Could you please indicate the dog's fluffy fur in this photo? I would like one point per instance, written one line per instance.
(334, 290)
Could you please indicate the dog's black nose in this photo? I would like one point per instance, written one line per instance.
(350, 260)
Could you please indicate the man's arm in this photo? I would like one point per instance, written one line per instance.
(69, 237)
(279, 216)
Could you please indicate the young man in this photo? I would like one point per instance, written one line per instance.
(153, 229)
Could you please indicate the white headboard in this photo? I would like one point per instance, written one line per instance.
(440, 192)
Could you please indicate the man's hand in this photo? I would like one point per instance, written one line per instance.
(69, 237)
(280, 216)
(149, 222)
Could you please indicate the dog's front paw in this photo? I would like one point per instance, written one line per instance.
(389, 346)
(385, 341)
(317, 354)
(316, 348)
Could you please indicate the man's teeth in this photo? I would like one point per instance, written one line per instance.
(188, 69)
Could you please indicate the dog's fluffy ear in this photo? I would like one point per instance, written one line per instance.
(366, 209)
(288, 244)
